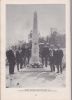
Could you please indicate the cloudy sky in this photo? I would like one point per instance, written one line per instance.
(19, 20)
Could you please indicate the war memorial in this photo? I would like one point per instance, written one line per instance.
(37, 66)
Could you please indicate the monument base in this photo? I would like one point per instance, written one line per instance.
(35, 62)
(35, 65)
(31, 69)
(36, 68)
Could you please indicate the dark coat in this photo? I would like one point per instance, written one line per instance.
(18, 57)
(45, 52)
(58, 55)
(10, 57)
(28, 52)
(51, 58)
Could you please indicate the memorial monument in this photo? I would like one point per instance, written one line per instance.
(35, 43)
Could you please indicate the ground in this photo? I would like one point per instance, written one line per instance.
(36, 77)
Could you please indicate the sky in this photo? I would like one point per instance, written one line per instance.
(19, 20)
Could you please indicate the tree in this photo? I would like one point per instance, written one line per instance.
(47, 39)
(53, 38)
(30, 36)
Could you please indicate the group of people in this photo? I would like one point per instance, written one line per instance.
(19, 57)
(53, 57)
(22, 56)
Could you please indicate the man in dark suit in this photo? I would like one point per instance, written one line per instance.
(18, 59)
(28, 54)
(59, 60)
(11, 60)
(51, 59)
(23, 57)
(45, 55)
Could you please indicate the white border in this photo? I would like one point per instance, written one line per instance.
(62, 93)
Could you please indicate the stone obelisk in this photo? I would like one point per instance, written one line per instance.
(35, 42)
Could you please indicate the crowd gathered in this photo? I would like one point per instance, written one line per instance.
(52, 56)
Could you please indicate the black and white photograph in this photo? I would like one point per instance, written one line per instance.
(35, 46)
